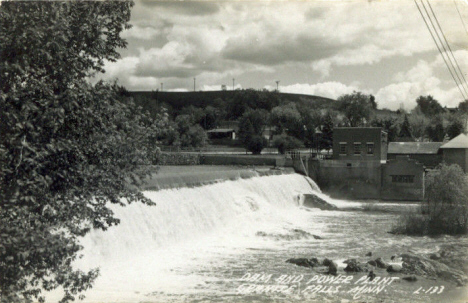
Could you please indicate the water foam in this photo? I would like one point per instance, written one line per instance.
(142, 254)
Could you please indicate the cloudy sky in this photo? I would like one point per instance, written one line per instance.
(325, 48)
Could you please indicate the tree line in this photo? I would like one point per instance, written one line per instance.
(303, 123)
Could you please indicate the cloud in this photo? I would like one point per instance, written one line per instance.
(420, 80)
(184, 7)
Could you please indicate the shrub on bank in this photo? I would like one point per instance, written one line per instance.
(445, 207)
(178, 159)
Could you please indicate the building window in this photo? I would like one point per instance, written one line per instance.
(343, 150)
(402, 178)
(370, 148)
(357, 148)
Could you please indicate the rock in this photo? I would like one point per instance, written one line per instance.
(394, 268)
(392, 257)
(419, 265)
(332, 266)
(369, 254)
(372, 262)
(312, 201)
(353, 266)
(317, 237)
(410, 278)
(303, 262)
(435, 256)
(314, 261)
(371, 275)
(381, 263)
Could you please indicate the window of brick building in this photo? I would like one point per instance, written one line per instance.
(370, 148)
(343, 150)
(357, 148)
(402, 178)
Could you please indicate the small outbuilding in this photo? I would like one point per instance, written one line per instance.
(456, 151)
(426, 153)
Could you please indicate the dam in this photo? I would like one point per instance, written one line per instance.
(228, 242)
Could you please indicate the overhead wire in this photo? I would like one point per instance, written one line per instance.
(459, 14)
(438, 47)
(450, 49)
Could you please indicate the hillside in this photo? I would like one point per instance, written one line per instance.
(178, 100)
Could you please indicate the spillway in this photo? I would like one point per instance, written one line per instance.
(142, 252)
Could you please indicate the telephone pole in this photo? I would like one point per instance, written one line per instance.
(277, 84)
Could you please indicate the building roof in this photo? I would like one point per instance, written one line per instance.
(221, 130)
(414, 147)
(460, 141)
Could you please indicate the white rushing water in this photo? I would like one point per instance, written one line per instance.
(187, 226)
(197, 243)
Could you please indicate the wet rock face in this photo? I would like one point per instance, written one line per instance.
(332, 266)
(394, 268)
(304, 262)
(312, 201)
(419, 265)
(381, 263)
(355, 266)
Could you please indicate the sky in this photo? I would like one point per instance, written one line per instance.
(324, 48)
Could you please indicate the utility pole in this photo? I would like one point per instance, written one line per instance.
(194, 84)
(277, 83)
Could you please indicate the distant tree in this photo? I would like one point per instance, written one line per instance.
(463, 107)
(310, 123)
(210, 118)
(287, 118)
(405, 129)
(429, 106)
(435, 131)
(357, 108)
(285, 143)
(243, 100)
(327, 131)
(389, 125)
(256, 144)
(455, 127)
(419, 124)
(251, 127)
(372, 102)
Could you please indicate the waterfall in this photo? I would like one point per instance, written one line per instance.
(188, 223)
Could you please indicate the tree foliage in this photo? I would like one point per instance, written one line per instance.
(446, 203)
(251, 127)
(435, 131)
(67, 148)
(357, 108)
(429, 106)
(455, 127)
(285, 143)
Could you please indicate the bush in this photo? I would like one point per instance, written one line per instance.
(256, 143)
(413, 223)
(447, 200)
(284, 143)
(445, 208)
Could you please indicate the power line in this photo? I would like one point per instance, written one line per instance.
(443, 46)
(464, 26)
(438, 47)
(450, 49)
